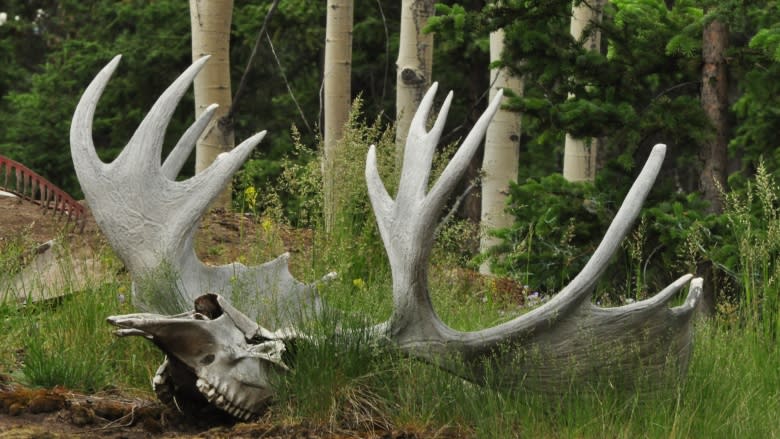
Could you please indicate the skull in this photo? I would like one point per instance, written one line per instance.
(215, 357)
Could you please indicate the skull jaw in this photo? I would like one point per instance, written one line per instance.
(242, 387)
(174, 385)
(226, 400)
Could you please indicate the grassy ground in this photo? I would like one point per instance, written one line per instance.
(732, 388)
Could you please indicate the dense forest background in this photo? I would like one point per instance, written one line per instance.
(644, 86)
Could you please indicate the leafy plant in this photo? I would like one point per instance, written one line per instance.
(557, 226)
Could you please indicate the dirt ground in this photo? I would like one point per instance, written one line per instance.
(58, 412)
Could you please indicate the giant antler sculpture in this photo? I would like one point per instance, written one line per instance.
(566, 341)
(217, 355)
(150, 219)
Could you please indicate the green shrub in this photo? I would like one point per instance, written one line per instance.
(557, 226)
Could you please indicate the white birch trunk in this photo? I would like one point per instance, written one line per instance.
(337, 92)
(211, 20)
(414, 65)
(502, 153)
(579, 155)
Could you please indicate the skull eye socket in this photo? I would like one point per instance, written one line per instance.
(208, 305)
(208, 359)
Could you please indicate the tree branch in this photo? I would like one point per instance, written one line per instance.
(227, 119)
(287, 84)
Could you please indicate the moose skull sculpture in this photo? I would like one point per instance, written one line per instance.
(222, 355)
(214, 355)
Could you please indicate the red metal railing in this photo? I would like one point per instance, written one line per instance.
(23, 182)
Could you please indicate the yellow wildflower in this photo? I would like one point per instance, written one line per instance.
(266, 224)
(250, 197)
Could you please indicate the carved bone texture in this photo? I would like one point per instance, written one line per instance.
(150, 219)
(568, 340)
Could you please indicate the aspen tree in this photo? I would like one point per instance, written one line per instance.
(579, 155)
(337, 96)
(210, 21)
(502, 153)
(414, 65)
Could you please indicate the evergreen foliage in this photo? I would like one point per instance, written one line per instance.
(76, 40)
(641, 88)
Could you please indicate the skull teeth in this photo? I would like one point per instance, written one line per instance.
(161, 376)
(220, 400)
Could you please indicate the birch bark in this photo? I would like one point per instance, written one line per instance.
(337, 97)
(414, 65)
(210, 21)
(579, 155)
(502, 154)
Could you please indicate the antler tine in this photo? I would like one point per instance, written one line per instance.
(620, 226)
(380, 198)
(145, 147)
(696, 289)
(421, 146)
(457, 166)
(663, 297)
(581, 286)
(178, 156)
(211, 181)
(85, 158)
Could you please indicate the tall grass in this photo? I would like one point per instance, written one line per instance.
(335, 376)
(754, 221)
(66, 341)
(69, 344)
(730, 391)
